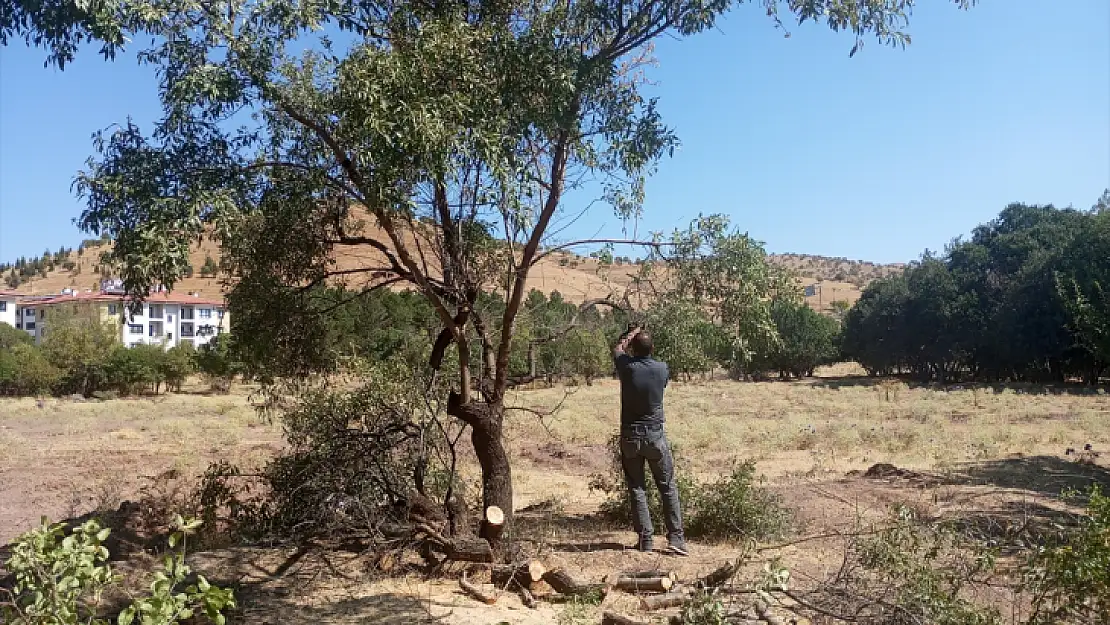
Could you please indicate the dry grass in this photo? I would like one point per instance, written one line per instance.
(984, 451)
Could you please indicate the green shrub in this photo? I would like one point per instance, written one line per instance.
(80, 347)
(133, 369)
(1070, 580)
(10, 336)
(177, 364)
(61, 579)
(923, 569)
(734, 508)
(24, 370)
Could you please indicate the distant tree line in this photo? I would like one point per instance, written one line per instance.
(1025, 298)
(81, 355)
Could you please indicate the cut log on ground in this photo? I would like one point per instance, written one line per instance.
(612, 618)
(643, 584)
(523, 575)
(565, 584)
(493, 524)
(659, 602)
(479, 594)
(650, 573)
(720, 576)
(469, 550)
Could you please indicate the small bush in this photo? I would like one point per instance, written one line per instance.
(24, 370)
(923, 570)
(132, 369)
(734, 508)
(1070, 581)
(61, 579)
(11, 336)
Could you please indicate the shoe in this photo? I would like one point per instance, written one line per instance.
(643, 546)
(677, 550)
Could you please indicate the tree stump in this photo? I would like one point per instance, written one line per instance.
(492, 525)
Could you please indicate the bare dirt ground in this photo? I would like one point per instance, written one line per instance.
(995, 456)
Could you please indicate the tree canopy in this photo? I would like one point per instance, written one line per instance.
(1023, 299)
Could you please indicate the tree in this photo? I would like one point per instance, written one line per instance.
(79, 344)
(207, 270)
(439, 121)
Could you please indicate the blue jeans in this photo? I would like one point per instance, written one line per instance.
(640, 443)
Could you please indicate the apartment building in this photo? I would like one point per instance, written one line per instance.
(165, 319)
(9, 308)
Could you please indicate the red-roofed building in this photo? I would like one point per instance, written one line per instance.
(166, 319)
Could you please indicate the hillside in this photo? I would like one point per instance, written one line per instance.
(576, 277)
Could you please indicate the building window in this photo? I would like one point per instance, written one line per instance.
(135, 328)
(112, 309)
(156, 329)
(3, 307)
(187, 313)
(205, 313)
(155, 311)
(30, 325)
(186, 329)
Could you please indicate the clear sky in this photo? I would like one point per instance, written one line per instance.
(876, 157)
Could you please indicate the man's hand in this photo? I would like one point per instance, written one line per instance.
(622, 342)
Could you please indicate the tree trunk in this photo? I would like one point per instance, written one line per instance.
(486, 421)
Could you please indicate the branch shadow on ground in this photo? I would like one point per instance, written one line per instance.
(569, 532)
(308, 585)
(1048, 476)
(1020, 388)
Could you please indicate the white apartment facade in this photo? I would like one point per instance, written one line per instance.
(9, 308)
(165, 319)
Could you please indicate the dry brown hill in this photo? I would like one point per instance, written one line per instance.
(576, 277)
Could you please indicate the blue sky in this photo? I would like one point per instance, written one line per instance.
(876, 157)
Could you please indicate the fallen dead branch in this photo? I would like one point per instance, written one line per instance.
(477, 593)
(721, 576)
(612, 618)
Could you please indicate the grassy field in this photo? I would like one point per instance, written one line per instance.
(985, 450)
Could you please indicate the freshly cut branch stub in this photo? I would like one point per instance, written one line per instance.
(493, 524)
(523, 575)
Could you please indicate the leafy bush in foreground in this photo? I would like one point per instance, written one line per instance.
(1070, 581)
(61, 579)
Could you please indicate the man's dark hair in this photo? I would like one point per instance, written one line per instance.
(641, 344)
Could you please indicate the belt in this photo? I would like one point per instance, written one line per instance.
(642, 428)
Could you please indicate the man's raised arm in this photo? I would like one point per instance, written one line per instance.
(622, 342)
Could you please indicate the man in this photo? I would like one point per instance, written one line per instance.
(643, 380)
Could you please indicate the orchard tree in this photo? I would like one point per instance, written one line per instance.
(401, 134)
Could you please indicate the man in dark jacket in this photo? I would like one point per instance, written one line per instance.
(643, 380)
